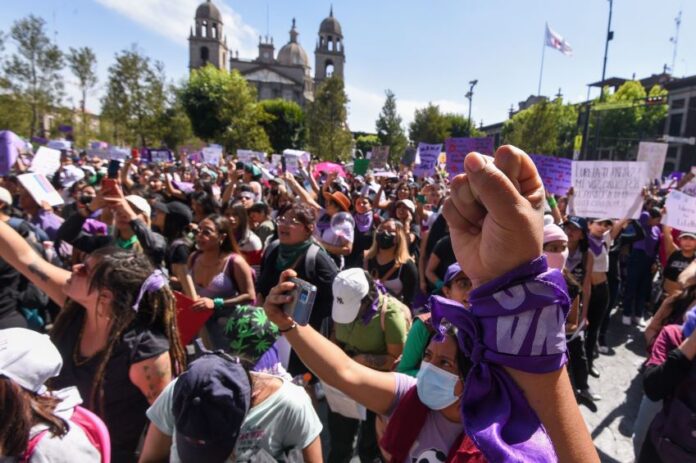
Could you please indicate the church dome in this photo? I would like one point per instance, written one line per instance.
(208, 10)
(292, 53)
(331, 25)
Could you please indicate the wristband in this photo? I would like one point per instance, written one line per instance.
(552, 202)
(291, 327)
(218, 303)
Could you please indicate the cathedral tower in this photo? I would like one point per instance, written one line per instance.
(206, 41)
(330, 54)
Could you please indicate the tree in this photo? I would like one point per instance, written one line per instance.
(329, 137)
(33, 72)
(222, 107)
(83, 64)
(548, 127)
(390, 130)
(429, 125)
(460, 126)
(135, 99)
(365, 142)
(284, 124)
(175, 121)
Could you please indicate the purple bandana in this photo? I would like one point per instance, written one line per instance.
(323, 224)
(363, 221)
(154, 282)
(516, 320)
(595, 244)
(374, 308)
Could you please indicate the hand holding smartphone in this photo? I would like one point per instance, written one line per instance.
(302, 303)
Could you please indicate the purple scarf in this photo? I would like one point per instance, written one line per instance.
(374, 308)
(363, 221)
(595, 244)
(516, 320)
(323, 224)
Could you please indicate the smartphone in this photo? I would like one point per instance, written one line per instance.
(420, 199)
(114, 167)
(302, 303)
(109, 187)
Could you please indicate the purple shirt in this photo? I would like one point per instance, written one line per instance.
(48, 222)
(652, 236)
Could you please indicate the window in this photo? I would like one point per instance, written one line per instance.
(215, 31)
(205, 54)
(329, 68)
(204, 29)
(675, 124)
(678, 104)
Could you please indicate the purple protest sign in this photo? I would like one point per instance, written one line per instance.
(10, 145)
(555, 173)
(458, 148)
(427, 154)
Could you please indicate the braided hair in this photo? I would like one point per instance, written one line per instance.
(123, 272)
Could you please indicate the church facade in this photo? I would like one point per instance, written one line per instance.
(287, 75)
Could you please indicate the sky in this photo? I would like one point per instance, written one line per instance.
(424, 51)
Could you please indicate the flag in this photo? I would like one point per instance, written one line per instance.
(554, 40)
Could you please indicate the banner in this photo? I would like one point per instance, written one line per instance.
(428, 155)
(458, 148)
(40, 189)
(380, 157)
(681, 211)
(555, 173)
(159, 155)
(211, 154)
(654, 154)
(46, 161)
(611, 189)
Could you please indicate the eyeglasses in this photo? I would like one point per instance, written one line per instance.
(289, 221)
(205, 231)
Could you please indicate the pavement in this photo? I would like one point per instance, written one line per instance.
(619, 384)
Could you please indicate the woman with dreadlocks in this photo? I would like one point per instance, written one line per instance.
(116, 332)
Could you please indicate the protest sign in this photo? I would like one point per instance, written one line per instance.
(555, 173)
(46, 161)
(276, 159)
(409, 156)
(10, 145)
(159, 155)
(654, 154)
(681, 212)
(40, 189)
(59, 144)
(360, 166)
(690, 188)
(304, 156)
(428, 155)
(380, 157)
(245, 156)
(292, 162)
(328, 167)
(610, 189)
(116, 152)
(211, 155)
(458, 148)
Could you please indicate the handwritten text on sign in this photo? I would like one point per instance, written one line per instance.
(428, 158)
(681, 211)
(556, 173)
(609, 188)
(458, 148)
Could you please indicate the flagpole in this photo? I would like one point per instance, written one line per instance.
(541, 69)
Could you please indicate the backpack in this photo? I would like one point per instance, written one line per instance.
(94, 428)
(310, 261)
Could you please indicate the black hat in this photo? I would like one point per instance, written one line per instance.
(175, 208)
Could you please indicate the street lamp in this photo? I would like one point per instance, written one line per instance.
(470, 95)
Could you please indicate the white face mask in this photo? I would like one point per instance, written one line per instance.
(435, 386)
(556, 260)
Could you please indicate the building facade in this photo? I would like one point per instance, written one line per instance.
(680, 127)
(287, 75)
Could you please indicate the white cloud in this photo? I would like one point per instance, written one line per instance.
(365, 106)
(173, 19)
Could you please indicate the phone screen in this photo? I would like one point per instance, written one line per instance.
(112, 170)
(300, 308)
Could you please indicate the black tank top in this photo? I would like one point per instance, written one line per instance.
(676, 263)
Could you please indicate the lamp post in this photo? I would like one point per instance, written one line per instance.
(610, 36)
(470, 95)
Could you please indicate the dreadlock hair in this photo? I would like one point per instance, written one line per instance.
(123, 272)
(20, 410)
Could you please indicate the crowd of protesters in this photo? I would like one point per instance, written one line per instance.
(465, 314)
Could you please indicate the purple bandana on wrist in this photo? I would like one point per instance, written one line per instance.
(154, 282)
(363, 221)
(374, 308)
(516, 320)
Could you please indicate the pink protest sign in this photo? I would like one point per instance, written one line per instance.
(458, 148)
(329, 167)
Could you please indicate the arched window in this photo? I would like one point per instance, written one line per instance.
(205, 55)
(328, 68)
(204, 29)
(215, 31)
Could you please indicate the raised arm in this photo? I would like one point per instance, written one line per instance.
(300, 191)
(20, 255)
(618, 227)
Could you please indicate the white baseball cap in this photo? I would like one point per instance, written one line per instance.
(28, 358)
(349, 288)
(140, 203)
(5, 196)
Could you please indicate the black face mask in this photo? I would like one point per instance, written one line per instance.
(385, 241)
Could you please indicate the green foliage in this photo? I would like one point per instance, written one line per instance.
(329, 137)
(222, 107)
(364, 143)
(33, 72)
(83, 64)
(548, 127)
(135, 99)
(284, 124)
(390, 130)
(175, 121)
(15, 114)
(429, 125)
(460, 126)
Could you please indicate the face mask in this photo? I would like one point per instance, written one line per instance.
(556, 260)
(385, 241)
(435, 386)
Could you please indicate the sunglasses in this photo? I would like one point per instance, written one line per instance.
(289, 221)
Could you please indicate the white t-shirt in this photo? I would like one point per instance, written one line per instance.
(283, 421)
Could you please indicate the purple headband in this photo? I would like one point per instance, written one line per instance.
(156, 281)
(516, 320)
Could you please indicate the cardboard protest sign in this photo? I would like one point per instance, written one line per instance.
(304, 156)
(360, 166)
(46, 161)
(681, 211)
(292, 163)
(654, 154)
(245, 156)
(211, 154)
(380, 157)
(119, 153)
(159, 155)
(610, 189)
(555, 173)
(276, 159)
(40, 189)
(10, 145)
(428, 155)
(458, 148)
